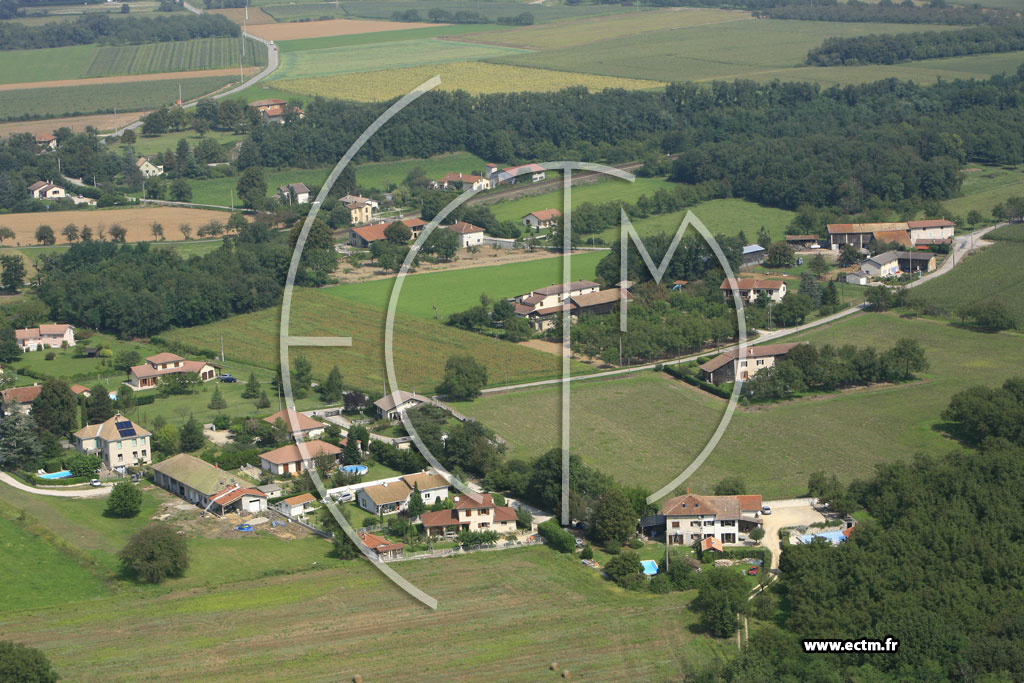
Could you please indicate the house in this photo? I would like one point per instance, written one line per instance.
(148, 375)
(384, 549)
(288, 459)
(940, 229)
(432, 486)
(906, 233)
(211, 488)
(360, 211)
(263, 105)
(396, 403)
(859, 235)
(270, 490)
(535, 172)
(148, 168)
(469, 234)
(46, 336)
(596, 303)
(274, 110)
(727, 519)
(472, 512)
(857, 277)
(753, 255)
(119, 442)
(20, 398)
(392, 495)
(46, 141)
(540, 220)
(730, 366)
(299, 426)
(915, 261)
(366, 235)
(296, 506)
(546, 297)
(751, 288)
(886, 264)
(900, 237)
(349, 198)
(802, 241)
(461, 181)
(416, 225)
(43, 190)
(293, 193)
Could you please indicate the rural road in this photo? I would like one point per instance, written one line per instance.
(786, 513)
(80, 493)
(960, 247)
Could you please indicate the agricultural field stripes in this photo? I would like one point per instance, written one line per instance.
(373, 9)
(407, 53)
(382, 37)
(477, 78)
(189, 55)
(742, 49)
(46, 64)
(93, 99)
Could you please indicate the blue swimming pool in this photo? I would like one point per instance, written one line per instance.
(355, 469)
(56, 475)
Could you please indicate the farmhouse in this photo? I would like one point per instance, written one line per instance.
(396, 403)
(596, 303)
(148, 168)
(148, 375)
(473, 512)
(278, 113)
(753, 255)
(938, 229)
(43, 190)
(906, 234)
(288, 459)
(296, 506)
(299, 425)
(383, 548)
(881, 265)
(46, 336)
(263, 105)
(119, 442)
(900, 237)
(539, 220)
(751, 288)
(727, 519)
(469, 234)
(366, 235)
(802, 241)
(730, 366)
(915, 261)
(460, 181)
(293, 193)
(546, 297)
(360, 211)
(46, 141)
(207, 486)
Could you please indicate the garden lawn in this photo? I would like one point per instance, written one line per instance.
(221, 191)
(72, 364)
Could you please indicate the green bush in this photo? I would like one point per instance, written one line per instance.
(636, 543)
(155, 553)
(557, 537)
(125, 500)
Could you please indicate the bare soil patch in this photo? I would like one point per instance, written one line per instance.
(329, 27)
(101, 122)
(166, 76)
(136, 221)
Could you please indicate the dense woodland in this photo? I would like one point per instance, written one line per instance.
(905, 47)
(100, 28)
(885, 11)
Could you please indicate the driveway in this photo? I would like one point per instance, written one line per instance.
(786, 513)
(79, 493)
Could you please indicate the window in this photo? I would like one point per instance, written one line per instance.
(120, 457)
(760, 362)
(743, 363)
(675, 525)
(710, 522)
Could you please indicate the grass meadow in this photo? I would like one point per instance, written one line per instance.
(383, 174)
(91, 99)
(302, 44)
(599, 192)
(720, 216)
(372, 9)
(985, 187)
(647, 428)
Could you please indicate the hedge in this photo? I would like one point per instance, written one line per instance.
(707, 386)
(557, 537)
(32, 479)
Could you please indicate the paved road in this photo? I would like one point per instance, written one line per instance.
(80, 493)
(961, 245)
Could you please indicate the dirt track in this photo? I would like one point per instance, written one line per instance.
(330, 27)
(166, 76)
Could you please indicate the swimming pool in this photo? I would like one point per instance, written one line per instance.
(355, 469)
(56, 475)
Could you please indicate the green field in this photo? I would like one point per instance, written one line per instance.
(380, 37)
(374, 57)
(46, 64)
(761, 50)
(72, 364)
(219, 191)
(982, 189)
(159, 143)
(720, 216)
(382, 174)
(188, 55)
(647, 428)
(612, 190)
(91, 99)
(988, 276)
(373, 9)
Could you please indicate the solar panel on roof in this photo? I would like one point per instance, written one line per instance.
(126, 432)
(123, 424)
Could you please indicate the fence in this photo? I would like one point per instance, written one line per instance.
(294, 520)
(458, 550)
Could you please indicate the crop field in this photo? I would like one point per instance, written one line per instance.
(592, 29)
(101, 122)
(323, 29)
(647, 428)
(381, 174)
(47, 64)
(744, 49)
(598, 192)
(433, 31)
(252, 16)
(984, 187)
(190, 55)
(476, 78)
(987, 276)
(340, 60)
(374, 9)
(92, 99)
(137, 221)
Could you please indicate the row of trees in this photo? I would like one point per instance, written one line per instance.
(905, 47)
(99, 27)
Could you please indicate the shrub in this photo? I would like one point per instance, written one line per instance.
(623, 566)
(588, 552)
(24, 664)
(557, 537)
(155, 553)
(636, 543)
(125, 500)
(51, 355)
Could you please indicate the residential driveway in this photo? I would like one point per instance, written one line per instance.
(787, 513)
(80, 493)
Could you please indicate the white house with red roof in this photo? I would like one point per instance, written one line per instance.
(731, 365)
(44, 190)
(751, 288)
(462, 181)
(540, 220)
(727, 519)
(296, 506)
(383, 548)
(469, 234)
(147, 376)
(46, 336)
(47, 141)
(288, 459)
(507, 176)
(473, 512)
(300, 425)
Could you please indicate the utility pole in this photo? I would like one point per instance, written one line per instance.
(222, 348)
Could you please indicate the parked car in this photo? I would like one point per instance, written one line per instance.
(580, 543)
(766, 509)
(228, 378)
(345, 497)
(753, 571)
(95, 482)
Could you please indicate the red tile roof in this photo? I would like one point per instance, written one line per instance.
(505, 514)
(371, 233)
(22, 394)
(379, 543)
(711, 543)
(931, 223)
(441, 518)
(473, 501)
(228, 496)
(300, 499)
(464, 228)
(160, 358)
(288, 454)
(294, 420)
(545, 214)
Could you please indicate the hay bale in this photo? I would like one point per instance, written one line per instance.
(566, 674)
(554, 666)
(357, 679)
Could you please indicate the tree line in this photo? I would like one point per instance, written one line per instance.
(100, 28)
(905, 47)
(886, 11)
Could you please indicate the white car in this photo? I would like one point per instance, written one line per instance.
(95, 482)
(766, 509)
